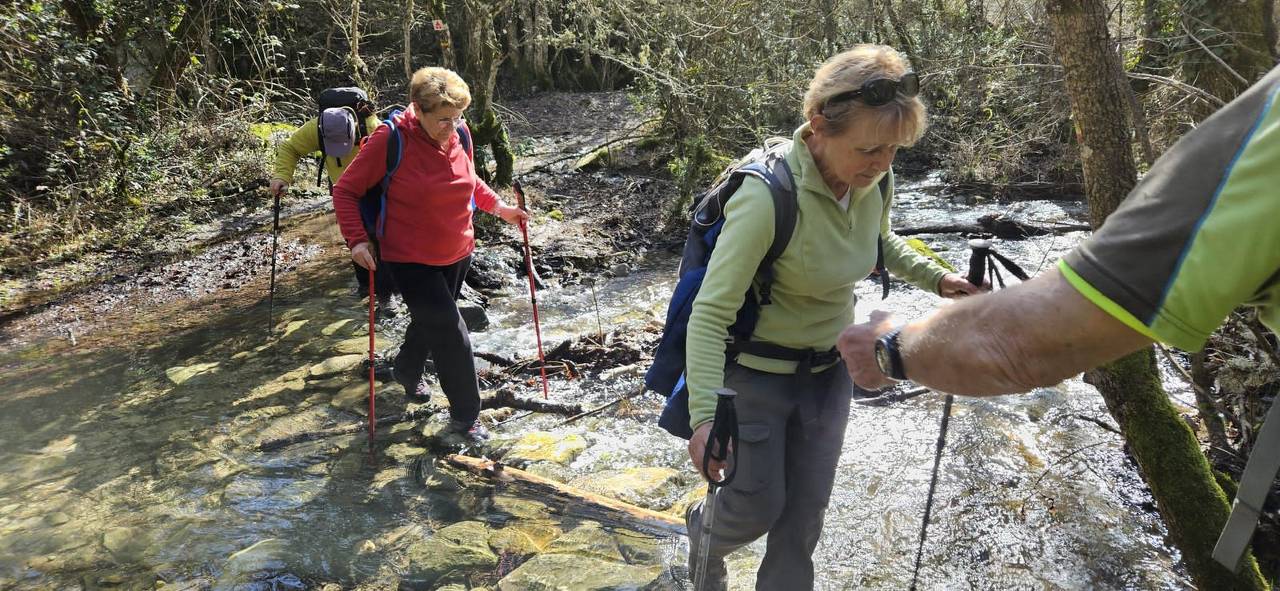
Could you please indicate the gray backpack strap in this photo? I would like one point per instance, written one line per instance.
(1259, 472)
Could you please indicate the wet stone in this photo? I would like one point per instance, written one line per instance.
(587, 540)
(290, 329)
(125, 543)
(561, 572)
(335, 328)
(451, 553)
(183, 374)
(513, 542)
(645, 486)
(359, 345)
(542, 446)
(473, 315)
(334, 365)
(244, 566)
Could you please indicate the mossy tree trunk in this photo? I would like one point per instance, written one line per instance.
(480, 68)
(181, 45)
(1192, 504)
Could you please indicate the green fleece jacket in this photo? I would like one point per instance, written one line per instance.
(305, 142)
(830, 251)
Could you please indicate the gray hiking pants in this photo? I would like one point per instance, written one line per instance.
(790, 441)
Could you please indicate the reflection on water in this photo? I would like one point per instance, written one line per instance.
(129, 465)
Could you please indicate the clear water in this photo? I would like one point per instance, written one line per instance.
(113, 475)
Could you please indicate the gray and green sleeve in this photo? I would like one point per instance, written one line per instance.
(1200, 235)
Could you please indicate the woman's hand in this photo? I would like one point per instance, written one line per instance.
(513, 215)
(698, 446)
(857, 345)
(362, 254)
(954, 285)
(278, 187)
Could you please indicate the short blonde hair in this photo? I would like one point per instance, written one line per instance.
(846, 71)
(431, 88)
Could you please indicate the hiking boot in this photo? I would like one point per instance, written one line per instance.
(417, 391)
(473, 432)
(717, 573)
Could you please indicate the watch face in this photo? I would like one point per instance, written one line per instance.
(882, 359)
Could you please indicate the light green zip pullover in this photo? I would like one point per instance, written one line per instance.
(813, 299)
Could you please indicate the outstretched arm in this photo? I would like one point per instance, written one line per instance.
(1031, 335)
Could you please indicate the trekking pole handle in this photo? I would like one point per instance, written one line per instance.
(515, 187)
(978, 260)
(723, 437)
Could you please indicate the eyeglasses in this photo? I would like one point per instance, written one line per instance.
(880, 91)
(452, 121)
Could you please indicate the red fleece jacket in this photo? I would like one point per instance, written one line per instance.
(428, 217)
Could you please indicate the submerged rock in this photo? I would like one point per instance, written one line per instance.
(543, 446)
(450, 553)
(181, 375)
(335, 365)
(645, 486)
(562, 572)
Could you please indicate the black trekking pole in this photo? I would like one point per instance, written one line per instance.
(722, 442)
(275, 238)
(978, 268)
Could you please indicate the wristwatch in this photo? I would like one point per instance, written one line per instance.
(888, 357)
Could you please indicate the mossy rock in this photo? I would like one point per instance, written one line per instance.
(451, 553)
(919, 246)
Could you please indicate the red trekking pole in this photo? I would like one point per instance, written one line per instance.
(373, 419)
(533, 292)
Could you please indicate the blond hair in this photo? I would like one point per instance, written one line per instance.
(904, 117)
(431, 88)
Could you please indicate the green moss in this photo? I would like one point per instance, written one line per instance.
(1186, 491)
(919, 246)
(264, 131)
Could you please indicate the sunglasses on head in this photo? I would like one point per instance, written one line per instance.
(880, 91)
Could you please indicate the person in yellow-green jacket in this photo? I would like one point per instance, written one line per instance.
(860, 107)
(337, 130)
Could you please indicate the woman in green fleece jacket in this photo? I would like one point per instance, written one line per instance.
(861, 106)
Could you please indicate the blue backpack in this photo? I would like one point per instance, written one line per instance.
(373, 205)
(666, 374)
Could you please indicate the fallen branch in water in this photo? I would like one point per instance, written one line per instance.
(891, 397)
(568, 499)
(597, 409)
(997, 225)
(505, 398)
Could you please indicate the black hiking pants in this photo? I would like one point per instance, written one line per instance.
(384, 285)
(436, 329)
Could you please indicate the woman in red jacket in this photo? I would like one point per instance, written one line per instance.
(427, 237)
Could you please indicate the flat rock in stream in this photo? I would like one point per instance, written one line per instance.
(648, 486)
(543, 446)
(450, 554)
(335, 365)
(183, 374)
(586, 559)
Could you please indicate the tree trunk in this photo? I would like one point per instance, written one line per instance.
(1192, 504)
(408, 42)
(359, 69)
(480, 69)
(1227, 47)
(178, 56)
(904, 37)
(439, 12)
